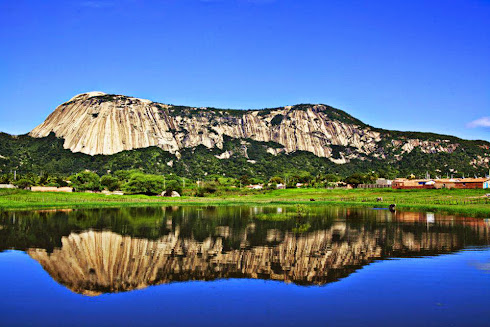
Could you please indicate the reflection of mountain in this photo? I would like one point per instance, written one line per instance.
(95, 262)
(114, 250)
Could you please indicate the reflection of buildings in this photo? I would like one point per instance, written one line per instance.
(95, 262)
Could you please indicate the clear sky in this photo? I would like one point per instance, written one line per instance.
(406, 65)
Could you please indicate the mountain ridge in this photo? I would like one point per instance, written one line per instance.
(116, 131)
(162, 125)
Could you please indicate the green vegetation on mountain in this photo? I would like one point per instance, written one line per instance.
(25, 154)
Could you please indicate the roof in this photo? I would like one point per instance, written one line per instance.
(474, 180)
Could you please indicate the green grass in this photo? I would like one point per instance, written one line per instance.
(466, 202)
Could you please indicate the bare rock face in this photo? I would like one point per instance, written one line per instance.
(98, 123)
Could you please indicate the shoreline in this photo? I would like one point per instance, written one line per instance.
(471, 203)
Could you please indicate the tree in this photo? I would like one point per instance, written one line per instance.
(110, 182)
(210, 187)
(124, 175)
(332, 178)
(140, 183)
(304, 177)
(4, 179)
(86, 180)
(359, 178)
(276, 180)
(355, 179)
(244, 180)
(23, 183)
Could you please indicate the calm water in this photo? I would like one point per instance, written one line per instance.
(243, 266)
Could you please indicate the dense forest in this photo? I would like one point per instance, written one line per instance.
(25, 154)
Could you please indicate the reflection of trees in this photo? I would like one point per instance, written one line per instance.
(44, 229)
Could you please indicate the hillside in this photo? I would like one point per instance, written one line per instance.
(104, 132)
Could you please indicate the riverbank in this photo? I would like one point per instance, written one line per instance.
(473, 203)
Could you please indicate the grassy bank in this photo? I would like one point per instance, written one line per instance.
(466, 202)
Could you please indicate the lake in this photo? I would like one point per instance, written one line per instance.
(243, 266)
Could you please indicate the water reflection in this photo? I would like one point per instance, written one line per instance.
(114, 250)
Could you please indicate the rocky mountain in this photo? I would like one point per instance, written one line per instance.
(99, 124)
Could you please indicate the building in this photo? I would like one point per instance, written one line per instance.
(442, 183)
(404, 183)
(380, 183)
(481, 182)
(446, 182)
(255, 187)
(384, 182)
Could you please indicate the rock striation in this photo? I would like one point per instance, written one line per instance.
(98, 123)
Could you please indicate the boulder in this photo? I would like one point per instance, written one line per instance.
(172, 194)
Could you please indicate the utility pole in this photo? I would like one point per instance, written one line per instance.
(15, 175)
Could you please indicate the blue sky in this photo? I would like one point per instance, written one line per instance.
(406, 65)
